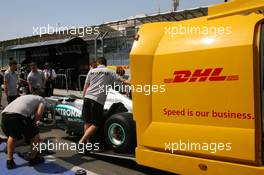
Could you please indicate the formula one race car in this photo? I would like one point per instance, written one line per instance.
(118, 129)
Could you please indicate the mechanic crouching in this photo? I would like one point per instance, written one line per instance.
(19, 126)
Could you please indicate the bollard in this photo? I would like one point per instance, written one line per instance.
(80, 172)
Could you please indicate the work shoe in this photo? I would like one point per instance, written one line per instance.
(2, 140)
(36, 160)
(10, 164)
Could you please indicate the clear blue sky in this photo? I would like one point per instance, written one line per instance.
(18, 17)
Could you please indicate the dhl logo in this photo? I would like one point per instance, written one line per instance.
(200, 75)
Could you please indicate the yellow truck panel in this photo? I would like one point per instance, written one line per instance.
(208, 118)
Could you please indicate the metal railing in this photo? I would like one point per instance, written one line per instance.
(66, 80)
(68, 72)
(79, 81)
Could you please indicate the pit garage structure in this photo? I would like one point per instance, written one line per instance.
(70, 54)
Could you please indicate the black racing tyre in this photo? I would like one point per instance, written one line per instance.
(120, 133)
(116, 108)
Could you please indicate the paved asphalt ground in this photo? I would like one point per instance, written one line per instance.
(71, 160)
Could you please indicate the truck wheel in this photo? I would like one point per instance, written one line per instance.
(120, 133)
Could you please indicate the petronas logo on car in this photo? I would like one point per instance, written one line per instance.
(68, 111)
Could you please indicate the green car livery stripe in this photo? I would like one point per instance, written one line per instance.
(68, 111)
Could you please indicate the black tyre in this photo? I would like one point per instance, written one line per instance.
(120, 133)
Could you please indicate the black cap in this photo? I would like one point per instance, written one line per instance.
(12, 62)
(33, 64)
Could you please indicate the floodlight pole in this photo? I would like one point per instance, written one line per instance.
(175, 5)
(102, 42)
(95, 45)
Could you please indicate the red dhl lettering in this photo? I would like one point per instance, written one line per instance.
(200, 75)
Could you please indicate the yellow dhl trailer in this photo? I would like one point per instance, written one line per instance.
(209, 119)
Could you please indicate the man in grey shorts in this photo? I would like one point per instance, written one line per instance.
(19, 125)
(36, 80)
